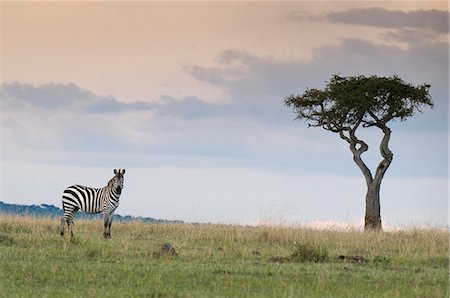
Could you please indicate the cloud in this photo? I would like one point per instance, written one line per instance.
(250, 78)
(70, 98)
(57, 96)
(259, 84)
(434, 20)
(300, 16)
(253, 128)
(187, 108)
(269, 80)
(80, 127)
(412, 36)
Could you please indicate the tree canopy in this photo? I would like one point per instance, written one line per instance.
(347, 102)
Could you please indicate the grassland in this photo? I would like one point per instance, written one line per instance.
(218, 261)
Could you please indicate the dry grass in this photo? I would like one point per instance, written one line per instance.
(217, 260)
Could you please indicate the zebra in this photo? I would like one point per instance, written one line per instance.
(92, 200)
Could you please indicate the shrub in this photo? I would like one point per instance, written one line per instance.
(381, 260)
(308, 253)
(6, 239)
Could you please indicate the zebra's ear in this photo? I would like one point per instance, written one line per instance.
(123, 171)
(115, 171)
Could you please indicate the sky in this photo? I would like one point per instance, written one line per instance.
(188, 98)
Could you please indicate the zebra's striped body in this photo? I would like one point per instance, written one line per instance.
(92, 200)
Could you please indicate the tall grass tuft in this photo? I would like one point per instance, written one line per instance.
(309, 253)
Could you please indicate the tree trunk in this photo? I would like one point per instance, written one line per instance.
(372, 219)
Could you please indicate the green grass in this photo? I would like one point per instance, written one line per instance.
(218, 261)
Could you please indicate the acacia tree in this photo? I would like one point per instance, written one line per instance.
(349, 103)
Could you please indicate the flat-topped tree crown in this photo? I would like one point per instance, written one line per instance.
(347, 103)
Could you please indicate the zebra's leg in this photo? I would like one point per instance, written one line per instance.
(69, 215)
(63, 223)
(106, 224)
(70, 227)
(109, 225)
(69, 221)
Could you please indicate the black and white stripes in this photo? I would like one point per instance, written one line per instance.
(92, 200)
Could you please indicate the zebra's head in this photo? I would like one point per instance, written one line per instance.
(117, 181)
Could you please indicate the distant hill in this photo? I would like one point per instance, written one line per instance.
(45, 210)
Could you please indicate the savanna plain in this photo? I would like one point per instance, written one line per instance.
(218, 261)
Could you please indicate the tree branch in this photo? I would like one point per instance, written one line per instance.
(386, 153)
(357, 152)
(358, 160)
(344, 137)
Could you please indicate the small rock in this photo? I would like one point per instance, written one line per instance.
(353, 259)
